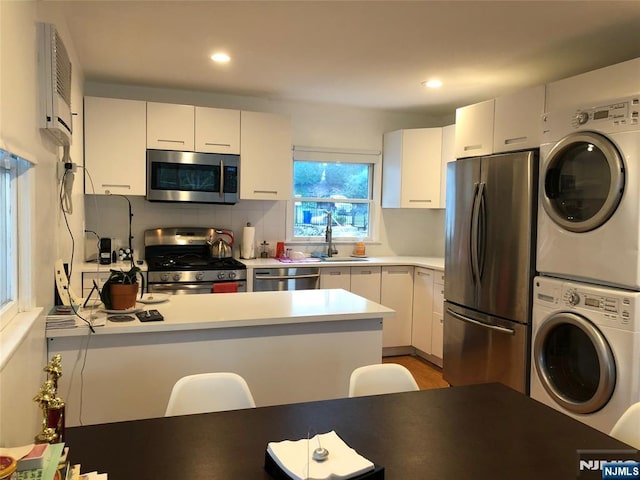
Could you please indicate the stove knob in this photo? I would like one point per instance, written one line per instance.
(176, 277)
(199, 276)
(164, 277)
(573, 298)
(221, 276)
(232, 275)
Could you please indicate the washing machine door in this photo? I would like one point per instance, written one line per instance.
(583, 181)
(574, 363)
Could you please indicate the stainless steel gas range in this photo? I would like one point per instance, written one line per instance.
(179, 262)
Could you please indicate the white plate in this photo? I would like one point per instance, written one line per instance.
(129, 310)
(154, 298)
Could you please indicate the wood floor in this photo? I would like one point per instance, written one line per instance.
(427, 374)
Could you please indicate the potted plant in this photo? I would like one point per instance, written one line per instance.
(120, 290)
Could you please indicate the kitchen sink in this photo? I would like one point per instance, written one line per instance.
(344, 259)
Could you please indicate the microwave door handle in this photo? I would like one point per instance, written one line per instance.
(222, 178)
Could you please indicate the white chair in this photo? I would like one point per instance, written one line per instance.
(627, 428)
(209, 392)
(381, 378)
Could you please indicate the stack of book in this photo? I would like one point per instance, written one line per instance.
(61, 316)
(47, 462)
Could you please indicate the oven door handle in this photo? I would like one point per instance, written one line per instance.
(172, 287)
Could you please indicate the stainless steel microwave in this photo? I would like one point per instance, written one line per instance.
(192, 177)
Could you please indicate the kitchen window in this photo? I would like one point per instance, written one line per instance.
(14, 204)
(336, 182)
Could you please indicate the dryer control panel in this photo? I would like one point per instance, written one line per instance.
(618, 113)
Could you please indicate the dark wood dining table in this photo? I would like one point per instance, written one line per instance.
(471, 432)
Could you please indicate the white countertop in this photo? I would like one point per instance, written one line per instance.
(206, 311)
(434, 263)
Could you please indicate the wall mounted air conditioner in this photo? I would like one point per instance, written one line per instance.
(55, 85)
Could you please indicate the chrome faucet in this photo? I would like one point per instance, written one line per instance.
(331, 250)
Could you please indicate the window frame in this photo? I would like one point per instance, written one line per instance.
(19, 248)
(336, 155)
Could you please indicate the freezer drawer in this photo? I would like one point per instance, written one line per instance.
(479, 348)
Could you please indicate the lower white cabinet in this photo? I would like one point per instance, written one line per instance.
(397, 293)
(438, 316)
(335, 277)
(365, 281)
(422, 309)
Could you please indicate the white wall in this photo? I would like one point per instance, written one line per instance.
(21, 375)
(402, 232)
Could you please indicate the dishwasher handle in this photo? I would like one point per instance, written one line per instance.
(266, 276)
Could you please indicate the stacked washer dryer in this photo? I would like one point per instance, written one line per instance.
(586, 313)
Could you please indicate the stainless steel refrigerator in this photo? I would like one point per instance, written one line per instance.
(490, 243)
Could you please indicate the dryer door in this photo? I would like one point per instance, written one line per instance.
(583, 181)
(574, 363)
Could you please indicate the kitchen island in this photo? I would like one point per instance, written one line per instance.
(289, 346)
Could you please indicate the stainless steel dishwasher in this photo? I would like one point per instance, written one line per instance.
(279, 279)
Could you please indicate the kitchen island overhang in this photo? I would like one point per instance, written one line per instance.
(290, 346)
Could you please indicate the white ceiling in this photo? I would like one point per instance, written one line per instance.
(367, 53)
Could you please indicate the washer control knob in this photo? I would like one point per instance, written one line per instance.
(199, 276)
(582, 118)
(573, 298)
(176, 277)
(220, 275)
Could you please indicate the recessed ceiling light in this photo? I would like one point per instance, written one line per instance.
(432, 83)
(220, 57)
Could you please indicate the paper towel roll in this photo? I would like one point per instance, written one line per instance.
(248, 242)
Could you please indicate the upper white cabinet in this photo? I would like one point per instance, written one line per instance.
(411, 168)
(217, 130)
(265, 156)
(188, 128)
(474, 129)
(114, 146)
(170, 126)
(517, 123)
(448, 155)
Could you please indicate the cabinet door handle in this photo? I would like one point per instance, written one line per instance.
(424, 274)
(468, 148)
(420, 200)
(170, 141)
(268, 192)
(115, 185)
(365, 272)
(217, 144)
(509, 141)
(335, 273)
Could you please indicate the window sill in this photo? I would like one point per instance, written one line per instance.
(15, 332)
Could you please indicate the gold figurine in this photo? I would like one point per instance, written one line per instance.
(52, 406)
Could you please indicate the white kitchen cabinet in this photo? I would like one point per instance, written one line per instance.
(437, 330)
(411, 167)
(365, 281)
(265, 156)
(448, 155)
(396, 292)
(170, 126)
(422, 309)
(114, 146)
(335, 277)
(474, 129)
(517, 124)
(217, 130)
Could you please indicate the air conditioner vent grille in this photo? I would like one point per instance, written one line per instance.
(63, 71)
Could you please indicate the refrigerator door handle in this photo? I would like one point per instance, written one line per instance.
(482, 230)
(497, 328)
(473, 233)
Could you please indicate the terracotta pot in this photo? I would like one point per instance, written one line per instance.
(123, 296)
